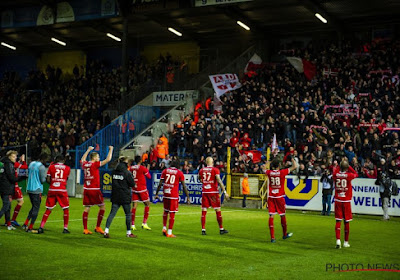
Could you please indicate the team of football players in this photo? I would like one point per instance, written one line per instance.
(171, 178)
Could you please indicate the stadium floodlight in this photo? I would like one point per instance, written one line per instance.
(114, 37)
(58, 41)
(321, 18)
(8, 46)
(175, 31)
(243, 25)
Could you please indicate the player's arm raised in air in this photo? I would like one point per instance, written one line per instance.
(294, 165)
(351, 169)
(221, 184)
(186, 191)
(83, 158)
(109, 156)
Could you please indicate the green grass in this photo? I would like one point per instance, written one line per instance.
(245, 253)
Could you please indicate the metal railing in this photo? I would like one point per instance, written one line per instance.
(118, 132)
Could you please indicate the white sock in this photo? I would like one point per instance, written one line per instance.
(221, 228)
(133, 225)
(169, 231)
(106, 230)
(128, 232)
(164, 228)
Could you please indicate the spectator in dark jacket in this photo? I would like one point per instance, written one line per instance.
(121, 195)
(303, 171)
(7, 184)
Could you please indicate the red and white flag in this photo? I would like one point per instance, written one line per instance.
(303, 66)
(254, 155)
(223, 83)
(330, 72)
(254, 63)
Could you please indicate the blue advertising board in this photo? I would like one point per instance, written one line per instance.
(192, 182)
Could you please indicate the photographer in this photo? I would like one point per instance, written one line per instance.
(327, 188)
(385, 191)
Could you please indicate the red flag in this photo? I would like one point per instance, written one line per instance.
(253, 154)
(310, 70)
(97, 147)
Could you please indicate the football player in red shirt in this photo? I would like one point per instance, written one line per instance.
(21, 164)
(57, 177)
(209, 176)
(91, 189)
(170, 179)
(276, 196)
(140, 192)
(343, 196)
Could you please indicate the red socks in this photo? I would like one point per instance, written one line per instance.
(271, 226)
(284, 225)
(45, 217)
(85, 218)
(16, 212)
(219, 219)
(346, 231)
(203, 219)
(171, 220)
(26, 222)
(66, 217)
(100, 217)
(337, 229)
(133, 214)
(165, 218)
(146, 214)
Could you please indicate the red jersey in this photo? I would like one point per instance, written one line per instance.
(92, 175)
(343, 187)
(140, 173)
(172, 176)
(277, 182)
(19, 165)
(58, 173)
(209, 179)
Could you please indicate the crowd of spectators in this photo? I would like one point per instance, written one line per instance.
(53, 114)
(280, 101)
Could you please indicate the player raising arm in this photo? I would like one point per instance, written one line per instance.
(169, 180)
(343, 196)
(57, 177)
(91, 188)
(276, 196)
(210, 178)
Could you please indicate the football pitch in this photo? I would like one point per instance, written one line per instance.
(244, 253)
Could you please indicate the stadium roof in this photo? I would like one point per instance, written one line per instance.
(148, 24)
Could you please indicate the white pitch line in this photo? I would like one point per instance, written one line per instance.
(156, 215)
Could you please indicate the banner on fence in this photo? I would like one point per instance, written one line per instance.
(193, 185)
(307, 195)
(172, 98)
(191, 180)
